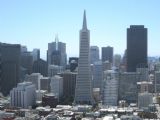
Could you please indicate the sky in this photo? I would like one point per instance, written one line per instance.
(35, 23)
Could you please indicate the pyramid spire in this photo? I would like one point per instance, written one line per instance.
(84, 21)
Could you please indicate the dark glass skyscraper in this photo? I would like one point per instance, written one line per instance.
(107, 54)
(9, 67)
(136, 47)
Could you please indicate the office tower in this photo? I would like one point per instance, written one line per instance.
(56, 58)
(57, 86)
(35, 79)
(94, 54)
(97, 75)
(73, 62)
(24, 95)
(83, 93)
(54, 69)
(128, 86)
(45, 83)
(57, 53)
(27, 61)
(9, 66)
(110, 94)
(36, 54)
(40, 66)
(136, 47)
(69, 83)
(107, 54)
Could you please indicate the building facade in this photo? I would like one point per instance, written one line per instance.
(36, 54)
(69, 83)
(57, 53)
(9, 66)
(128, 86)
(107, 54)
(97, 75)
(57, 86)
(54, 70)
(35, 79)
(24, 95)
(136, 47)
(27, 61)
(45, 83)
(94, 54)
(110, 92)
(83, 93)
(40, 66)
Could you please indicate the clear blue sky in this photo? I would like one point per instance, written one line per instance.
(34, 23)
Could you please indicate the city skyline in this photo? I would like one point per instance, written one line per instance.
(36, 23)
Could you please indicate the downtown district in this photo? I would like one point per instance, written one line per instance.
(114, 87)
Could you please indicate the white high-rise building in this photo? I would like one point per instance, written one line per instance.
(35, 79)
(110, 94)
(24, 95)
(84, 92)
(94, 54)
(57, 86)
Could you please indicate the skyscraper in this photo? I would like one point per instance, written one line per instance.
(9, 66)
(27, 61)
(83, 92)
(136, 47)
(57, 53)
(36, 54)
(94, 54)
(107, 54)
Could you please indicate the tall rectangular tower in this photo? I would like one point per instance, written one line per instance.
(83, 92)
(107, 54)
(57, 53)
(136, 47)
(9, 67)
